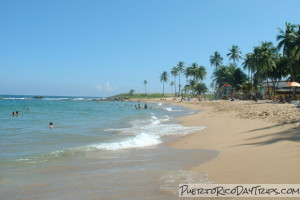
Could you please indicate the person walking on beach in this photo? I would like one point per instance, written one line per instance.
(254, 97)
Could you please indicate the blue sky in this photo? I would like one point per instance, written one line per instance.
(101, 48)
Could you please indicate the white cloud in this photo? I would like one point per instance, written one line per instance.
(106, 87)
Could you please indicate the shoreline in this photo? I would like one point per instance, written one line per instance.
(258, 142)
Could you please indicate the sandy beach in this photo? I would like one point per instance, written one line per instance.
(258, 142)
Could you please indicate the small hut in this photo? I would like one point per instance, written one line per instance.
(226, 91)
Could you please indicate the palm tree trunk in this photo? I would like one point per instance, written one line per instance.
(268, 89)
(292, 72)
(163, 88)
(175, 85)
(179, 85)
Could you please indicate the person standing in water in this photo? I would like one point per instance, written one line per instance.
(51, 125)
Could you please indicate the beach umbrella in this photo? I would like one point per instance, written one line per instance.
(293, 84)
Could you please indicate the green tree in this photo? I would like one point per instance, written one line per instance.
(234, 53)
(200, 88)
(164, 77)
(145, 84)
(200, 73)
(216, 59)
(181, 69)
(131, 92)
(229, 74)
(266, 56)
(172, 84)
(239, 78)
(279, 72)
(250, 64)
(196, 71)
(174, 73)
(296, 43)
(286, 41)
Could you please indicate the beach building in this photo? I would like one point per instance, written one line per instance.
(226, 91)
(278, 89)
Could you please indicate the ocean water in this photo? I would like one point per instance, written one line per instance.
(96, 150)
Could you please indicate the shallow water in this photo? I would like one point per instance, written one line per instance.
(96, 150)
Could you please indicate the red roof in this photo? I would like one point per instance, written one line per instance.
(226, 85)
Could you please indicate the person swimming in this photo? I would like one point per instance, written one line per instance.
(15, 114)
(51, 125)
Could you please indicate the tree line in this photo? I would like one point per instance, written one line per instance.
(266, 63)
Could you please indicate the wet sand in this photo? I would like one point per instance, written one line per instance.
(258, 142)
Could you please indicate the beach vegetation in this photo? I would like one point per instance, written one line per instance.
(231, 75)
(266, 65)
(164, 77)
(289, 42)
(181, 69)
(131, 92)
(145, 85)
(216, 59)
(234, 53)
(140, 96)
(172, 84)
(174, 73)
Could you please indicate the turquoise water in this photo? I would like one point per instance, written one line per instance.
(90, 138)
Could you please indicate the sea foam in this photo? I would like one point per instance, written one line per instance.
(139, 141)
(170, 109)
(145, 135)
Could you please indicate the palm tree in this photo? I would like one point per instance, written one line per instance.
(234, 53)
(249, 63)
(164, 77)
(229, 74)
(131, 92)
(145, 83)
(286, 42)
(279, 72)
(296, 46)
(266, 55)
(200, 88)
(216, 59)
(196, 71)
(286, 38)
(221, 76)
(181, 67)
(192, 84)
(296, 43)
(200, 73)
(174, 73)
(190, 71)
(172, 84)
